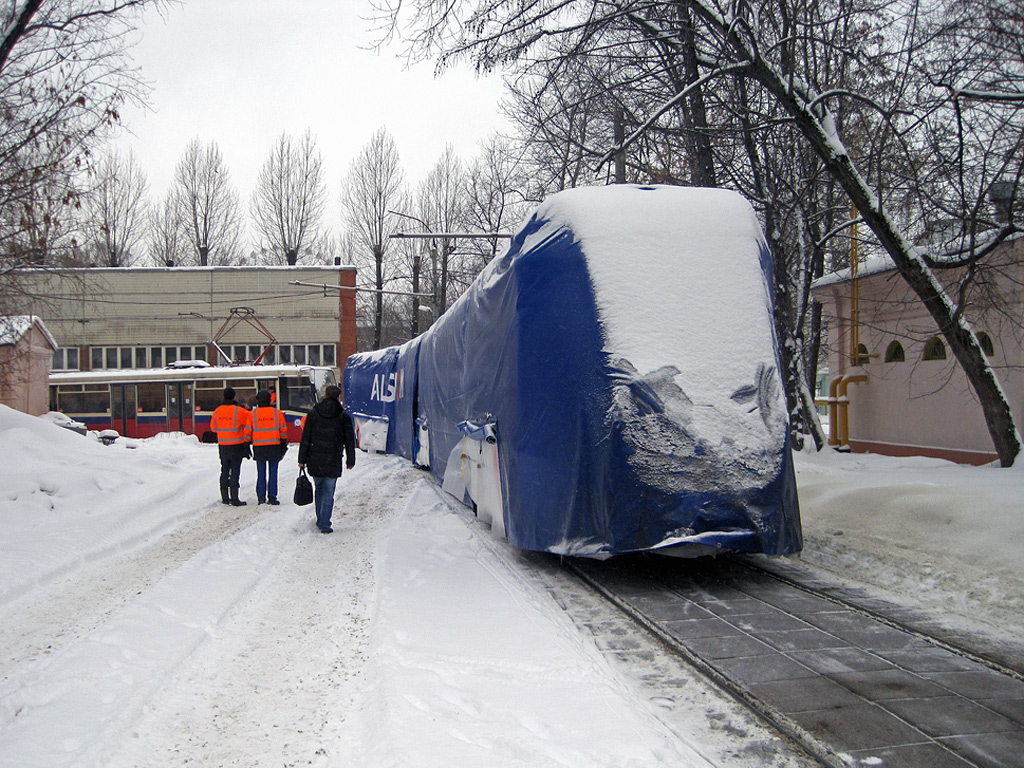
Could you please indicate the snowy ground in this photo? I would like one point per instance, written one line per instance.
(142, 623)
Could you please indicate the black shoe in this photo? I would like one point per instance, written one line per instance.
(260, 501)
(272, 501)
(326, 530)
(235, 501)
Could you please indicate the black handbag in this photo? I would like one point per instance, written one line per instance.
(303, 489)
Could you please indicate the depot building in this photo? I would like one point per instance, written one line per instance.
(141, 317)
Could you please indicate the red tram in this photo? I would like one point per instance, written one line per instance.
(181, 398)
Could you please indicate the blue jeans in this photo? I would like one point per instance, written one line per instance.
(323, 500)
(266, 486)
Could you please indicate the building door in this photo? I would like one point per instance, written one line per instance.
(179, 407)
(125, 410)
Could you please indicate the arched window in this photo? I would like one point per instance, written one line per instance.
(935, 349)
(986, 344)
(894, 353)
(863, 358)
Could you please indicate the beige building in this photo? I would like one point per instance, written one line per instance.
(26, 349)
(116, 318)
(895, 388)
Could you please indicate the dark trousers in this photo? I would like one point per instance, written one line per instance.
(231, 464)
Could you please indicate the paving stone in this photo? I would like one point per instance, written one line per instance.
(801, 640)
(856, 728)
(926, 657)
(842, 620)
(700, 628)
(766, 589)
(982, 683)
(670, 609)
(804, 695)
(708, 592)
(913, 756)
(838, 660)
(736, 646)
(763, 669)
(1011, 708)
(800, 603)
(741, 606)
(773, 621)
(878, 638)
(989, 750)
(950, 716)
(885, 684)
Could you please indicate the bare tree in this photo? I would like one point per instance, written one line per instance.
(117, 211)
(371, 190)
(927, 85)
(167, 241)
(208, 205)
(495, 202)
(64, 76)
(442, 206)
(289, 199)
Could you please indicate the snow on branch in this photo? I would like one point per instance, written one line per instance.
(997, 96)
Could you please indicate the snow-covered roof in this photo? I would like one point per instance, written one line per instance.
(872, 266)
(13, 327)
(883, 263)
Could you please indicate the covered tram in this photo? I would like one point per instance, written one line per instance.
(181, 398)
(610, 384)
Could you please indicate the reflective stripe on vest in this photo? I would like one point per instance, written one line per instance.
(269, 426)
(233, 429)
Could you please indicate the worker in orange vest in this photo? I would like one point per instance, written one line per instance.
(233, 425)
(269, 443)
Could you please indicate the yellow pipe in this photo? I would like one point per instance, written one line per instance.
(844, 406)
(833, 416)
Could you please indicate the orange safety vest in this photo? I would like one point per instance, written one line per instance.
(269, 426)
(232, 423)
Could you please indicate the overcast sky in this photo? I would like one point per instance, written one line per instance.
(241, 72)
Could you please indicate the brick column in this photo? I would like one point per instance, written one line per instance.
(347, 315)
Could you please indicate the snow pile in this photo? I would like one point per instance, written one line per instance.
(947, 538)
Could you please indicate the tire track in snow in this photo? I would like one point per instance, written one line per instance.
(71, 607)
(274, 685)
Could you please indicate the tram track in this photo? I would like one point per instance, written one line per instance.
(969, 646)
(849, 680)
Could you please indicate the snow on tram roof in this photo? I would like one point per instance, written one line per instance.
(181, 373)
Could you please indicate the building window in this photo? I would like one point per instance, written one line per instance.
(65, 359)
(302, 354)
(863, 358)
(935, 349)
(986, 344)
(894, 353)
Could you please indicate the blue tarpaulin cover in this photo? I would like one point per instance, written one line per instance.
(624, 349)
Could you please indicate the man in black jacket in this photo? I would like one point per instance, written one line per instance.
(326, 438)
